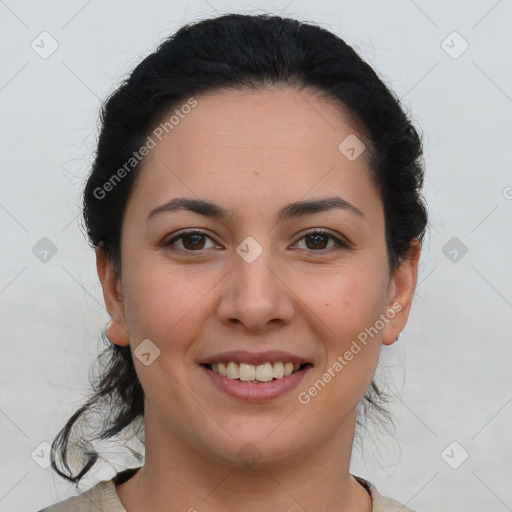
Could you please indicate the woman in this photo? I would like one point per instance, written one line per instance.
(255, 205)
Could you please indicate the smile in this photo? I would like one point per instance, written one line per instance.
(247, 372)
(258, 382)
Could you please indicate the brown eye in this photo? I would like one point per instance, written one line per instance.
(318, 240)
(191, 241)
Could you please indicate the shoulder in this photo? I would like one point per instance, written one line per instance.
(382, 503)
(102, 497)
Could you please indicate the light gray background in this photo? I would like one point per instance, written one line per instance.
(451, 368)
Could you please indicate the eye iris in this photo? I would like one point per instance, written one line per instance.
(196, 237)
(196, 240)
(317, 236)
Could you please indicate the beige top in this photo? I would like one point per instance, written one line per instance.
(102, 497)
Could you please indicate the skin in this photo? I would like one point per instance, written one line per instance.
(237, 149)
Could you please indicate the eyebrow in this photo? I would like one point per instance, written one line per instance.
(289, 211)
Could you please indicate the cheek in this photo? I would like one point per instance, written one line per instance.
(349, 301)
(163, 305)
(351, 304)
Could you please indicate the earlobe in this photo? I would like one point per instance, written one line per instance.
(110, 282)
(117, 334)
(401, 294)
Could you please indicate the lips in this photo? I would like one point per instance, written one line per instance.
(256, 376)
(258, 367)
(243, 356)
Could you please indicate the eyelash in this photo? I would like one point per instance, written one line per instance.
(339, 244)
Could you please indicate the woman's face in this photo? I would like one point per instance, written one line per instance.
(255, 283)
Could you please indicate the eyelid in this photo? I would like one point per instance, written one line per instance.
(184, 232)
(340, 241)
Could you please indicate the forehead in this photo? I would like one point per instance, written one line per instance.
(244, 119)
(245, 143)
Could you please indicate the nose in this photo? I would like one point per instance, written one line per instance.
(256, 296)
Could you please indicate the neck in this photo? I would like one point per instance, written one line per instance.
(177, 478)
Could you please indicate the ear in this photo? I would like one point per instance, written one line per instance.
(111, 284)
(401, 293)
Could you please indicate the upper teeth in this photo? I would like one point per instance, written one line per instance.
(262, 372)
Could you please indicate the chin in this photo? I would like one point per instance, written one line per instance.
(255, 449)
